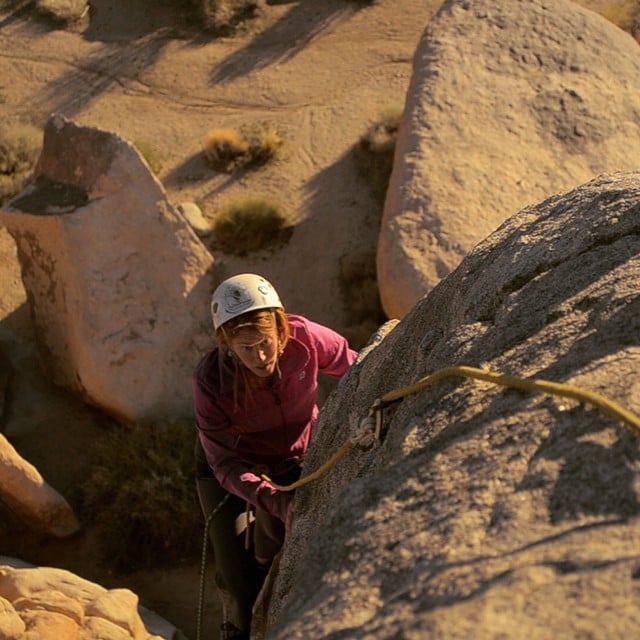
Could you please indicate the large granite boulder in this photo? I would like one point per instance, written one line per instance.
(25, 491)
(509, 102)
(46, 603)
(485, 511)
(115, 276)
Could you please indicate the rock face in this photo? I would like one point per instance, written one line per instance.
(24, 490)
(54, 604)
(114, 275)
(509, 103)
(487, 512)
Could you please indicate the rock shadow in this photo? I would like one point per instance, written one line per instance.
(113, 64)
(193, 169)
(594, 479)
(275, 44)
(330, 196)
(17, 10)
(130, 20)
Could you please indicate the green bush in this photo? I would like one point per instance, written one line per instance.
(250, 224)
(141, 496)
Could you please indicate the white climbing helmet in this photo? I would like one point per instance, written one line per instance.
(240, 294)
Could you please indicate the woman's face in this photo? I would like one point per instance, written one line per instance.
(257, 351)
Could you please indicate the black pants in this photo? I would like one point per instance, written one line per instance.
(238, 575)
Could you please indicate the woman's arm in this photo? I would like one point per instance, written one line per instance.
(234, 474)
(334, 354)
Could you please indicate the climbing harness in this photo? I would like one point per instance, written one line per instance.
(203, 562)
(367, 431)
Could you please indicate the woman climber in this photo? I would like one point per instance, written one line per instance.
(255, 397)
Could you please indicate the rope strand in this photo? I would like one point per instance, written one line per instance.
(606, 405)
(203, 563)
(312, 476)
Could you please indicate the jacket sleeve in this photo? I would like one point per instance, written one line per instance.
(235, 475)
(334, 354)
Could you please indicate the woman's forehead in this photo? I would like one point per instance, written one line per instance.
(249, 337)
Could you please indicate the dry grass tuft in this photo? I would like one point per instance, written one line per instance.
(249, 224)
(20, 144)
(374, 151)
(224, 149)
(265, 142)
(229, 150)
(224, 16)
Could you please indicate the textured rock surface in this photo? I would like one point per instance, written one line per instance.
(54, 604)
(510, 102)
(487, 511)
(114, 275)
(24, 490)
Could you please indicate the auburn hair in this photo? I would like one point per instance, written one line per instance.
(263, 321)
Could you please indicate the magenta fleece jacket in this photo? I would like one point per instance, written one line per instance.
(276, 423)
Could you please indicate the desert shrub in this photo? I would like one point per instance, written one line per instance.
(9, 187)
(141, 496)
(20, 144)
(224, 16)
(250, 224)
(264, 142)
(375, 149)
(228, 150)
(224, 149)
(63, 11)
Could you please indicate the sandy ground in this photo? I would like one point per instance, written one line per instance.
(321, 72)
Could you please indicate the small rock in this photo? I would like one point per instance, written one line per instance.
(194, 216)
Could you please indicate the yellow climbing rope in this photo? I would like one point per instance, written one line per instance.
(606, 405)
(564, 390)
(316, 474)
